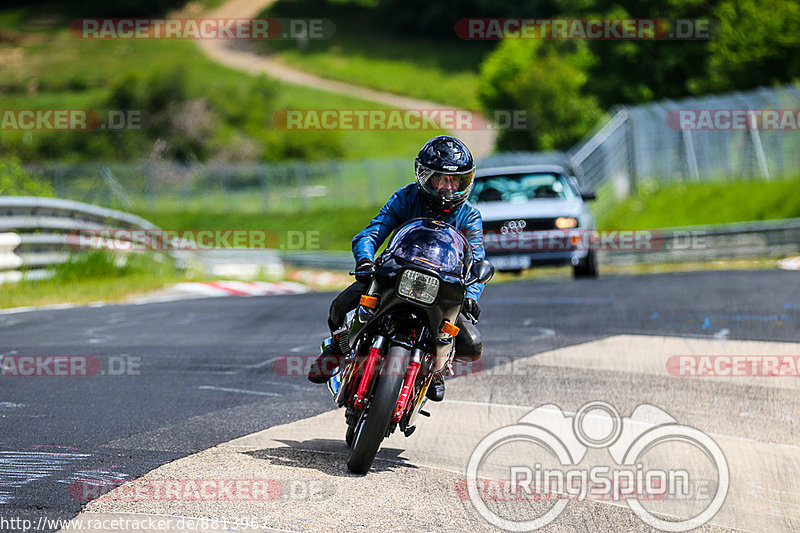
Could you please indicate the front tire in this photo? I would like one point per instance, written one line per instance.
(351, 433)
(374, 423)
(586, 267)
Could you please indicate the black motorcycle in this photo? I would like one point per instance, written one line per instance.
(402, 333)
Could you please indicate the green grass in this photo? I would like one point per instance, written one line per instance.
(363, 52)
(689, 204)
(113, 289)
(50, 69)
(99, 264)
(336, 226)
(94, 276)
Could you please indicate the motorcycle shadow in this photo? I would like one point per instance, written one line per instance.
(329, 456)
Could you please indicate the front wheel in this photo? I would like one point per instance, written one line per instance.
(374, 423)
(586, 267)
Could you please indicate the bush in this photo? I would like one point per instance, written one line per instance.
(547, 79)
(101, 8)
(754, 45)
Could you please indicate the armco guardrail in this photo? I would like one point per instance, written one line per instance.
(42, 226)
(9, 261)
(320, 260)
(771, 238)
(34, 230)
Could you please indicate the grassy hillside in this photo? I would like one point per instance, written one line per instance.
(684, 204)
(363, 51)
(43, 67)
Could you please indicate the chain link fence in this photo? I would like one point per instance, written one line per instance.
(635, 145)
(692, 140)
(274, 187)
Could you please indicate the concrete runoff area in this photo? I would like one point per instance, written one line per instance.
(417, 483)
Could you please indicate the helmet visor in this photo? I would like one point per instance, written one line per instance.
(445, 185)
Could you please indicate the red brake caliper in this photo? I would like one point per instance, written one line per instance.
(408, 383)
(366, 377)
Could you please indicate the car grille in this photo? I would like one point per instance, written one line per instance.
(531, 224)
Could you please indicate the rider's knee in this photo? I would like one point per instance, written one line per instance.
(343, 303)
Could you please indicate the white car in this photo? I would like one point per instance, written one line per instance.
(535, 215)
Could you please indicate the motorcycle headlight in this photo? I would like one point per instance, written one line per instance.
(419, 287)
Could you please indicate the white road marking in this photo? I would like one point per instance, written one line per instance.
(240, 391)
(722, 334)
(18, 468)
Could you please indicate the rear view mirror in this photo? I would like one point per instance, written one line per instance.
(483, 271)
(587, 196)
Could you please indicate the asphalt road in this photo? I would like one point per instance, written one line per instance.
(176, 378)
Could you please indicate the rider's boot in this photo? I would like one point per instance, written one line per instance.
(436, 389)
(331, 354)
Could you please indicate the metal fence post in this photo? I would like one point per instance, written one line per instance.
(633, 170)
(148, 186)
(689, 157)
(264, 190)
(758, 148)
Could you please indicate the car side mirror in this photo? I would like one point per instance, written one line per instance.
(482, 271)
(587, 196)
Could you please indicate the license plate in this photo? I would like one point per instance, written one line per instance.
(510, 262)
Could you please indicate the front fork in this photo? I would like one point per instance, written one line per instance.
(408, 384)
(369, 367)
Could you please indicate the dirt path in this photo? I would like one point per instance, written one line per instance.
(231, 54)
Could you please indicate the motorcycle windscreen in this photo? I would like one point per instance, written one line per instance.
(433, 244)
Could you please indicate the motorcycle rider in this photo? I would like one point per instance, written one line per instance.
(445, 171)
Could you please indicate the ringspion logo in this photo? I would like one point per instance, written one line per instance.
(542, 457)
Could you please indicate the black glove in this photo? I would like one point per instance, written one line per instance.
(365, 269)
(471, 309)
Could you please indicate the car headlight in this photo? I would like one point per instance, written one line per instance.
(566, 222)
(419, 287)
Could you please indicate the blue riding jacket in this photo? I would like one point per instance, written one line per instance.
(408, 203)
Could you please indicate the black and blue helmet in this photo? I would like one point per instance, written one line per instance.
(445, 172)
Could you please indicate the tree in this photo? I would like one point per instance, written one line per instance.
(757, 43)
(547, 79)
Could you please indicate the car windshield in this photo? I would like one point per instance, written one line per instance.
(520, 188)
(432, 244)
